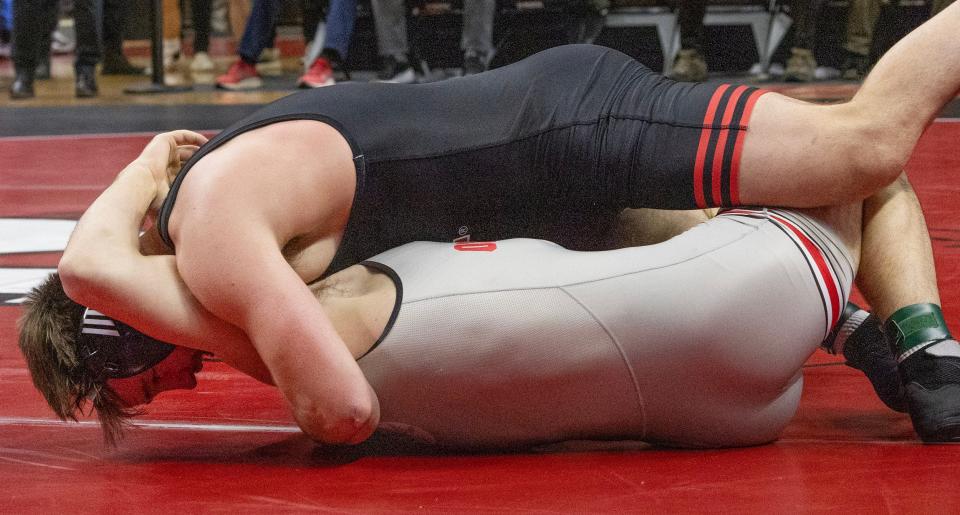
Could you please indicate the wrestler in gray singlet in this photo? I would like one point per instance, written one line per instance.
(698, 341)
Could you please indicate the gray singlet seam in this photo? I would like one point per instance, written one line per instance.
(756, 229)
(623, 356)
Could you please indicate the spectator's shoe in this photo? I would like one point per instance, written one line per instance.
(22, 87)
(801, 67)
(689, 67)
(855, 66)
(241, 76)
(269, 63)
(319, 75)
(86, 83)
(474, 62)
(117, 64)
(930, 370)
(858, 337)
(395, 71)
(201, 63)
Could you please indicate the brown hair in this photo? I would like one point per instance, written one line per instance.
(49, 329)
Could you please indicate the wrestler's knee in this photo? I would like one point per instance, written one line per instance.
(875, 150)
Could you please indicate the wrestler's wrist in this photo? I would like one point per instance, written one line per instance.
(138, 177)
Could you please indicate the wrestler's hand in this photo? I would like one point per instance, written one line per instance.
(164, 156)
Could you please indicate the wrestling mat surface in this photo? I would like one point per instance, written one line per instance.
(230, 446)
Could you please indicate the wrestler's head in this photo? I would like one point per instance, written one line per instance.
(76, 355)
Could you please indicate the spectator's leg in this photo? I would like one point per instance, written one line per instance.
(312, 16)
(30, 20)
(340, 21)
(690, 64)
(477, 38)
(259, 31)
(43, 71)
(336, 44)
(257, 36)
(861, 19)
(114, 62)
(88, 20)
(389, 17)
(201, 11)
(802, 66)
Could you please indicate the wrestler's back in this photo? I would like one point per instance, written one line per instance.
(695, 342)
(551, 147)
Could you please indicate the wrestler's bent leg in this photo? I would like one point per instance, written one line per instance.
(799, 154)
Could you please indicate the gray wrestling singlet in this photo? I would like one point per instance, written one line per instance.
(698, 341)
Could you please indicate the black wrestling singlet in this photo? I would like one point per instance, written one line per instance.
(551, 147)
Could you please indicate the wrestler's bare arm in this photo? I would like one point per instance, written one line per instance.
(105, 267)
(234, 218)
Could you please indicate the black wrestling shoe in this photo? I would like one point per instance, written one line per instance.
(858, 337)
(929, 369)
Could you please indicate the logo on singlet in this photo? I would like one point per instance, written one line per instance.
(463, 234)
(476, 246)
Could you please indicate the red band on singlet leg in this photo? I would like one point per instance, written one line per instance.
(702, 148)
(827, 277)
(715, 174)
(738, 147)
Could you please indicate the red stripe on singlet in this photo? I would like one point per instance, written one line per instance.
(702, 148)
(826, 273)
(738, 146)
(715, 175)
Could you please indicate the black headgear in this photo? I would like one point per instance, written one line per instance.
(111, 349)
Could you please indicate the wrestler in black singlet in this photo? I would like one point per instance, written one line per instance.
(550, 147)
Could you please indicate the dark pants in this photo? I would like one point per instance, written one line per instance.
(31, 26)
(200, 19)
(691, 13)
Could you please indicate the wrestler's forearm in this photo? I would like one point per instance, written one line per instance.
(106, 236)
(897, 267)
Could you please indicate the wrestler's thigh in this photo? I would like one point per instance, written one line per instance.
(798, 154)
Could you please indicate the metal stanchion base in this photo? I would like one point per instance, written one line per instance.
(153, 87)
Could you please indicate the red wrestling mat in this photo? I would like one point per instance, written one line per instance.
(230, 446)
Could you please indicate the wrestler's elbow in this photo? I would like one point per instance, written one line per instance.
(82, 277)
(348, 424)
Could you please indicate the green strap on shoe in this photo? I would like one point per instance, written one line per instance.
(912, 327)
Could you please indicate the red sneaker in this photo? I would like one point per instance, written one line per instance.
(241, 75)
(320, 74)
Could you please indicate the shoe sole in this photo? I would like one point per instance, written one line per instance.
(245, 84)
(935, 413)
(303, 84)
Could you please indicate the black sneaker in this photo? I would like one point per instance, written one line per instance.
(118, 65)
(396, 71)
(929, 369)
(86, 82)
(474, 62)
(22, 86)
(858, 337)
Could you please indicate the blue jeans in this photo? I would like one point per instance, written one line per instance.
(340, 21)
(263, 15)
